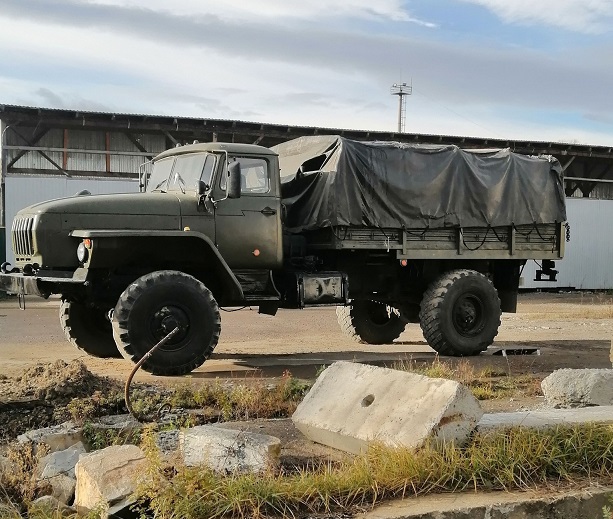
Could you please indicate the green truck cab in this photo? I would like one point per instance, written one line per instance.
(211, 229)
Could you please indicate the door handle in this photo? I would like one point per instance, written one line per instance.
(268, 211)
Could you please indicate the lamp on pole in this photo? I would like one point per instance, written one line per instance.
(401, 90)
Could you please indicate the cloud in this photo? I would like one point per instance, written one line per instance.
(599, 117)
(49, 98)
(305, 98)
(587, 16)
(275, 10)
(52, 99)
(332, 62)
(304, 66)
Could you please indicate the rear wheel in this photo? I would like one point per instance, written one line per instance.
(370, 322)
(460, 313)
(154, 305)
(88, 329)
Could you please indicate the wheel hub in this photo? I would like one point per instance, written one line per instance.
(468, 315)
(165, 320)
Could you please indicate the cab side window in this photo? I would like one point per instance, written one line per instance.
(255, 177)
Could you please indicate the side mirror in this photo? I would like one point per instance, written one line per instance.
(201, 188)
(233, 185)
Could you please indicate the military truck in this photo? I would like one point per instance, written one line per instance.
(389, 233)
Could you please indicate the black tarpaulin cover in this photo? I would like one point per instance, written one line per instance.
(331, 181)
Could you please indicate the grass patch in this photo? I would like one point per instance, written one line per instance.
(218, 402)
(96, 438)
(486, 383)
(513, 459)
(17, 487)
(214, 402)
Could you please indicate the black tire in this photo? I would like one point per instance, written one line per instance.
(152, 306)
(460, 313)
(88, 329)
(370, 322)
(409, 312)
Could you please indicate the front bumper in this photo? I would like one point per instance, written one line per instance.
(41, 284)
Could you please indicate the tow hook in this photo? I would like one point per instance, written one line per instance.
(6, 268)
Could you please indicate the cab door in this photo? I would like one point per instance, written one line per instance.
(196, 212)
(248, 229)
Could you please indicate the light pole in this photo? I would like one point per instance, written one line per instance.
(401, 90)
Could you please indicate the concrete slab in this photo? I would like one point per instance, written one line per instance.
(125, 426)
(229, 451)
(56, 437)
(546, 418)
(352, 405)
(49, 506)
(578, 387)
(106, 479)
(62, 488)
(586, 503)
(6, 465)
(60, 462)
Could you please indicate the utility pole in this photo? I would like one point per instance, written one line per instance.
(401, 90)
(3, 161)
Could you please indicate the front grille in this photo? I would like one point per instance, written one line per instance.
(23, 243)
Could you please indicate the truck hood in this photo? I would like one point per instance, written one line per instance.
(50, 224)
(141, 204)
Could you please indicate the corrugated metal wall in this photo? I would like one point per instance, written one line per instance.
(25, 190)
(587, 263)
(83, 140)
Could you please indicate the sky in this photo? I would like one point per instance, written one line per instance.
(508, 69)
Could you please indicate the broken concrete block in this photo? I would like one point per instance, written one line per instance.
(119, 422)
(62, 487)
(579, 387)
(122, 426)
(6, 465)
(49, 505)
(167, 441)
(546, 418)
(106, 479)
(57, 470)
(56, 437)
(60, 462)
(229, 451)
(352, 405)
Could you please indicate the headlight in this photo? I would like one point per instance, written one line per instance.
(82, 253)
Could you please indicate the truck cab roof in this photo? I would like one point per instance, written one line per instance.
(229, 147)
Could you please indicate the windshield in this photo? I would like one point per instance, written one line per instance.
(190, 168)
(181, 173)
(159, 176)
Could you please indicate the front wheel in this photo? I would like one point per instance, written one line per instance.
(154, 305)
(460, 313)
(370, 322)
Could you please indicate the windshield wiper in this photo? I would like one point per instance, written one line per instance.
(181, 182)
(160, 185)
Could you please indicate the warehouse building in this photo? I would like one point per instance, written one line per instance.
(49, 153)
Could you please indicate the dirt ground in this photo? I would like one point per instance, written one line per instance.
(568, 330)
(38, 377)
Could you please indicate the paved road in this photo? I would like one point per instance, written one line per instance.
(568, 331)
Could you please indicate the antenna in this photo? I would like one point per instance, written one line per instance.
(401, 90)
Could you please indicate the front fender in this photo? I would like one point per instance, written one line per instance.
(189, 251)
